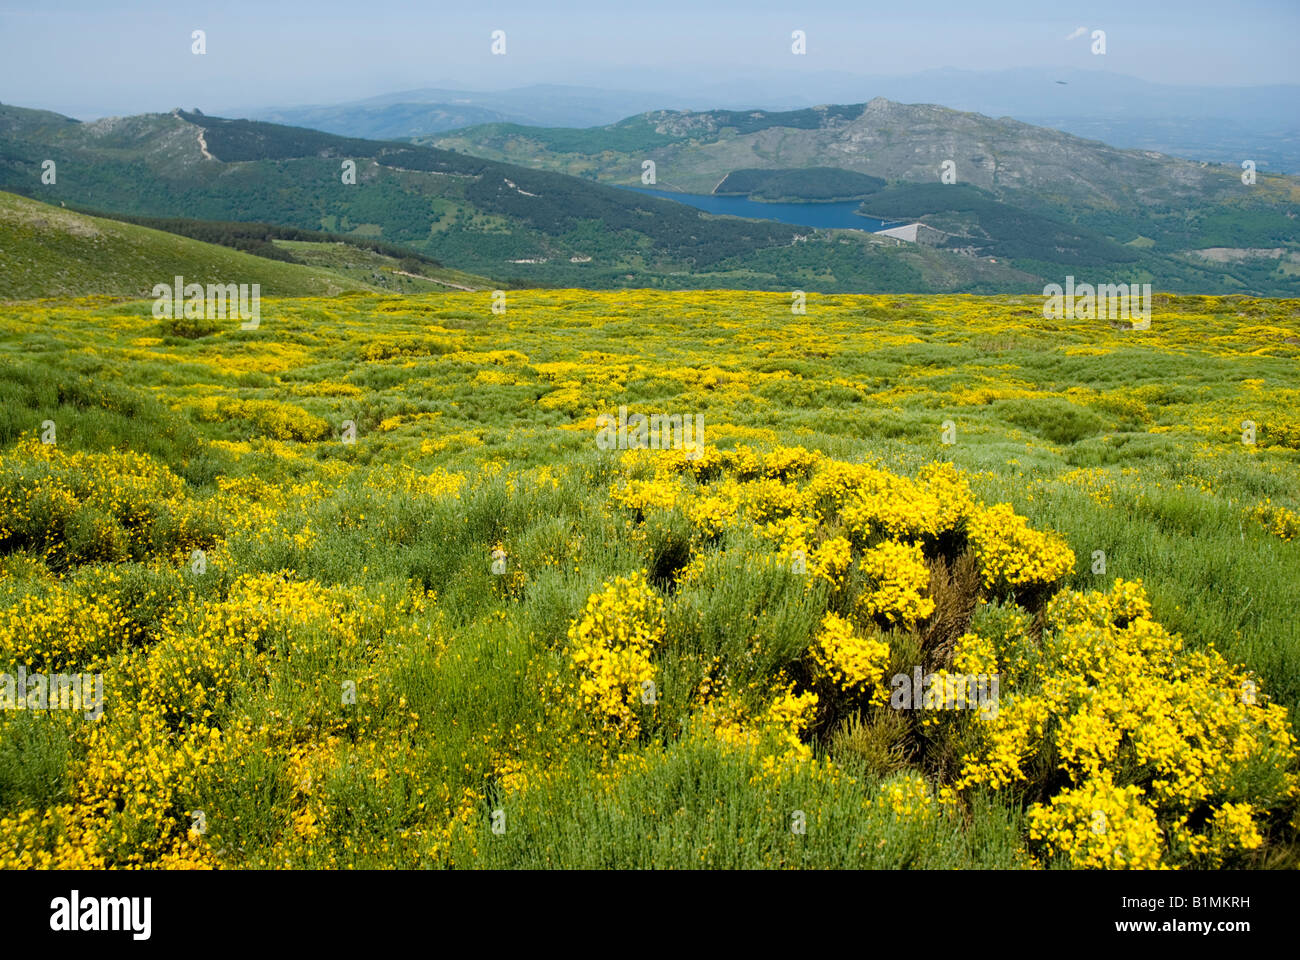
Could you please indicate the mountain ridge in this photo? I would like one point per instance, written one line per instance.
(1011, 225)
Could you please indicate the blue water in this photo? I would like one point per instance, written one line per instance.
(837, 214)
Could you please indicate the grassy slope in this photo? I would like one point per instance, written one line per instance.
(49, 252)
(379, 270)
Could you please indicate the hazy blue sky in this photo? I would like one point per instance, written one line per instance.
(95, 57)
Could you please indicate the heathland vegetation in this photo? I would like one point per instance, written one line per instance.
(364, 590)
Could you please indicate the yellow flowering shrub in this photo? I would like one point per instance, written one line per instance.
(900, 579)
(610, 646)
(51, 839)
(75, 507)
(132, 796)
(273, 418)
(975, 655)
(711, 513)
(831, 561)
(61, 630)
(435, 484)
(192, 670)
(646, 495)
(884, 504)
(950, 492)
(768, 499)
(791, 712)
(1012, 554)
(1099, 824)
(743, 462)
(1232, 828)
(908, 796)
(1110, 697)
(307, 766)
(1281, 430)
(776, 735)
(139, 769)
(832, 485)
(791, 533)
(789, 462)
(795, 499)
(1278, 520)
(853, 663)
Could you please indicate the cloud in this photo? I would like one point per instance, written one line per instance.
(1078, 32)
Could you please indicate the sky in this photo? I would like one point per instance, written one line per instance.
(90, 58)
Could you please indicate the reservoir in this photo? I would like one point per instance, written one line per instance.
(837, 214)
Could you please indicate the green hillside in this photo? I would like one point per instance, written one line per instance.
(522, 227)
(387, 273)
(47, 251)
(1029, 205)
(381, 265)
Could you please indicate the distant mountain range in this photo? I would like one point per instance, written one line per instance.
(414, 113)
(1216, 124)
(538, 206)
